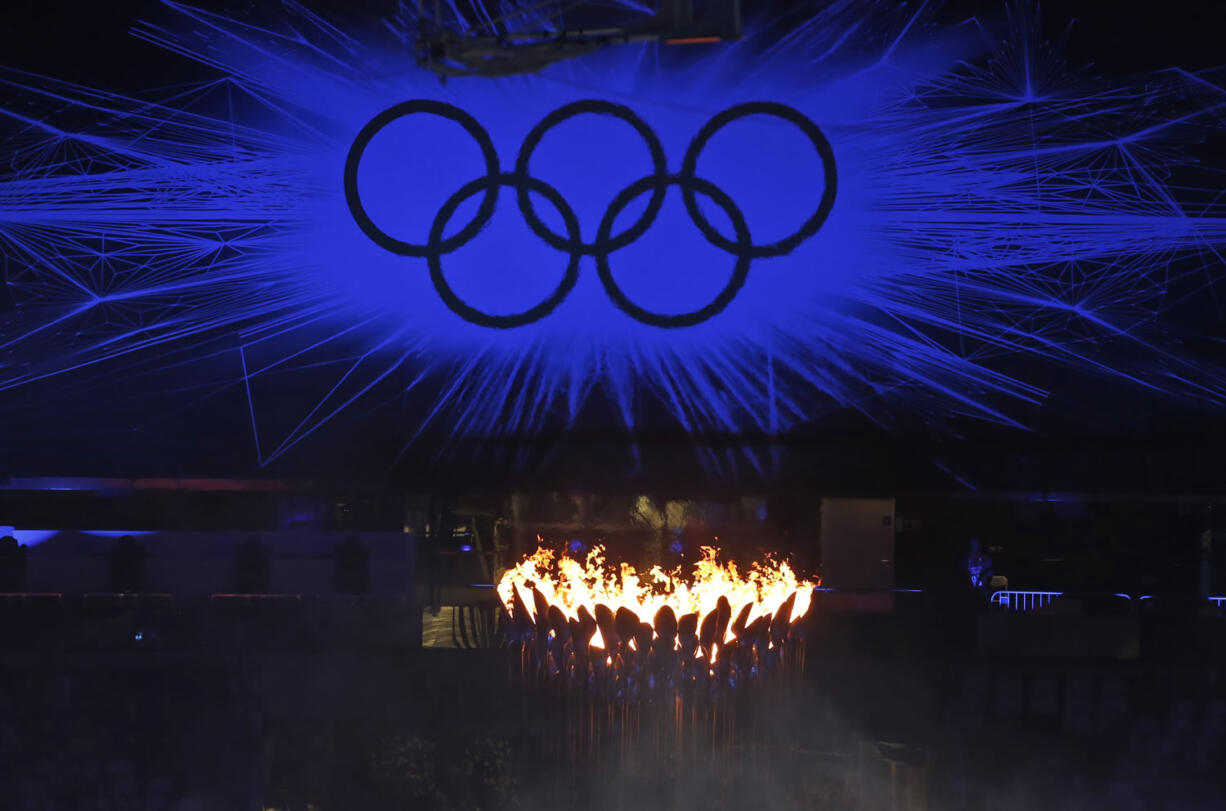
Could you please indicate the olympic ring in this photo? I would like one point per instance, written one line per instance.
(470, 313)
(742, 247)
(354, 159)
(739, 273)
(658, 164)
(810, 227)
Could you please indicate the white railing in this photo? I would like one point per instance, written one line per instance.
(1035, 600)
(1024, 600)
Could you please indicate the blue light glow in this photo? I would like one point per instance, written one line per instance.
(29, 537)
(993, 204)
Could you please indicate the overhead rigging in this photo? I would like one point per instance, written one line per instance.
(494, 46)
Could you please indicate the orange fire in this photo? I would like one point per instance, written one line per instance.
(768, 592)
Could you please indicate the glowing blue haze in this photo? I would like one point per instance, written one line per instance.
(991, 205)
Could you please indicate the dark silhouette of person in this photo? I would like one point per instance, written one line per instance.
(12, 565)
(127, 565)
(978, 567)
(252, 567)
(352, 566)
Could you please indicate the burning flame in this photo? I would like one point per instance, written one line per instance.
(543, 582)
(654, 655)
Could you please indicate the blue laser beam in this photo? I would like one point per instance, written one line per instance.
(997, 212)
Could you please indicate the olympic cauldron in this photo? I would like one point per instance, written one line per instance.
(661, 652)
(584, 621)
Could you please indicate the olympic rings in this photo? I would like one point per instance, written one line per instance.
(741, 247)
